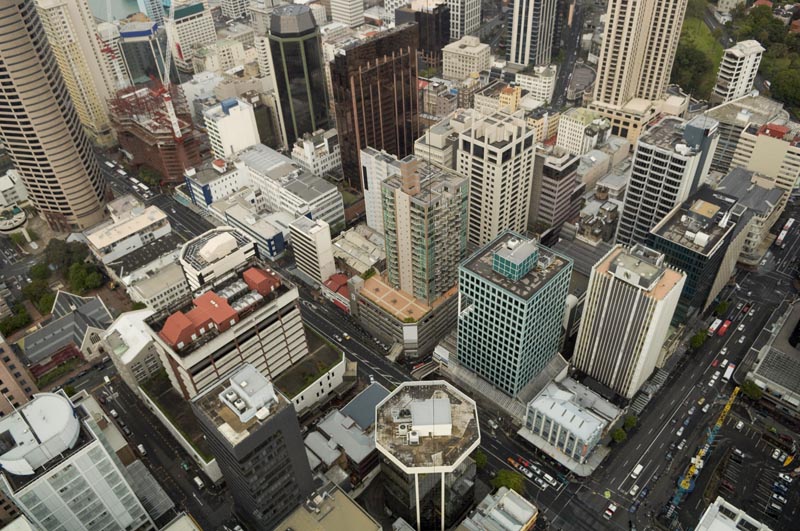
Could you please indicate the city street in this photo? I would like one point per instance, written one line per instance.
(571, 45)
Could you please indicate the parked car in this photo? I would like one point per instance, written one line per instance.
(126, 431)
(741, 340)
(540, 483)
(785, 478)
(612, 508)
(780, 499)
(634, 490)
(706, 408)
(776, 454)
(739, 425)
(692, 410)
(682, 444)
(114, 413)
(679, 433)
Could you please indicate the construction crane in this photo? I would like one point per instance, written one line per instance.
(107, 49)
(685, 484)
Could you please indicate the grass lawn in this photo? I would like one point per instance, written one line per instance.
(695, 31)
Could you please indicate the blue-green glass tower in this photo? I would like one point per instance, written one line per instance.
(512, 294)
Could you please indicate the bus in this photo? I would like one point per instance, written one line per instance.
(782, 236)
(788, 226)
(122, 172)
(136, 182)
(724, 327)
(714, 326)
(109, 164)
(728, 372)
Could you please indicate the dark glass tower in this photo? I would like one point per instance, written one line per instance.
(297, 59)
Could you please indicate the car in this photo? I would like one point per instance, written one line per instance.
(746, 308)
(127, 431)
(712, 382)
(634, 490)
(540, 483)
(716, 374)
(706, 408)
(337, 337)
(513, 462)
(385, 348)
(682, 444)
(783, 457)
(644, 493)
(701, 401)
(634, 507)
(785, 437)
(686, 422)
(679, 433)
(198, 482)
(738, 453)
(536, 469)
(715, 362)
(668, 457)
(346, 335)
(672, 445)
(692, 410)
(739, 306)
(741, 340)
(740, 327)
(785, 478)
(727, 484)
(778, 498)
(524, 461)
(114, 413)
(528, 473)
(722, 353)
(780, 488)
(724, 363)
(739, 425)
(612, 508)
(141, 449)
(776, 454)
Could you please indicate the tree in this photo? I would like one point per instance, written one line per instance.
(722, 307)
(35, 290)
(619, 435)
(480, 459)
(39, 271)
(690, 69)
(752, 391)
(70, 390)
(698, 339)
(631, 421)
(509, 479)
(77, 278)
(45, 303)
(138, 306)
(20, 319)
(18, 238)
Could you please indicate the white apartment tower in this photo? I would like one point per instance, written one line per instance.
(670, 161)
(349, 12)
(313, 251)
(532, 30)
(581, 129)
(465, 18)
(630, 301)
(192, 26)
(497, 155)
(231, 127)
(154, 9)
(737, 71)
(235, 8)
(72, 32)
(58, 470)
(465, 56)
(377, 166)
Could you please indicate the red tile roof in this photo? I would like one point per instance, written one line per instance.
(216, 309)
(762, 3)
(774, 130)
(178, 328)
(261, 281)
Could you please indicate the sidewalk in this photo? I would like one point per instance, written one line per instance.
(580, 469)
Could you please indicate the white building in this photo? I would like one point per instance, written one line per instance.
(154, 9)
(377, 166)
(222, 55)
(127, 232)
(737, 71)
(234, 8)
(503, 510)
(161, 288)
(580, 130)
(231, 127)
(465, 18)
(311, 243)
(540, 84)
(496, 154)
(349, 12)
(132, 350)
(464, 57)
(192, 26)
(319, 152)
(12, 189)
(214, 256)
(269, 231)
(630, 301)
(724, 516)
(532, 32)
(214, 181)
(58, 471)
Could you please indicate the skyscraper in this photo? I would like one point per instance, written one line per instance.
(465, 18)
(670, 161)
(511, 306)
(425, 220)
(433, 25)
(737, 71)
(154, 9)
(496, 154)
(72, 33)
(297, 62)
(234, 8)
(254, 434)
(376, 97)
(532, 30)
(192, 26)
(556, 189)
(58, 469)
(41, 131)
(631, 298)
(143, 47)
(349, 12)
(636, 57)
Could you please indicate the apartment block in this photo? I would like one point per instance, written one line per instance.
(311, 244)
(128, 233)
(465, 18)
(319, 152)
(231, 127)
(737, 71)
(464, 57)
(580, 130)
(192, 26)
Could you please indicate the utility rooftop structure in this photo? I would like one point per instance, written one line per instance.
(427, 427)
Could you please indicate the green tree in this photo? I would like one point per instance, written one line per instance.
(698, 339)
(138, 306)
(77, 278)
(722, 307)
(690, 69)
(20, 319)
(45, 303)
(39, 271)
(509, 479)
(480, 459)
(630, 422)
(752, 391)
(18, 238)
(619, 435)
(70, 390)
(35, 290)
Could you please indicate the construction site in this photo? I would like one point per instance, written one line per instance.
(154, 126)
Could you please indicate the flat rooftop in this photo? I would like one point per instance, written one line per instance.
(320, 359)
(109, 234)
(329, 510)
(781, 363)
(724, 516)
(398, 303)
(147, 254)
(749, 109)
(434, 183)
(427, 425)
(739, 184)
(497, 129)
(549, 264)
(643, 268)
(213, 245)
(666, 134)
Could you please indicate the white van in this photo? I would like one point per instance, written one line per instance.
(548, 478)
(198, 482)
(637, 471)
(724, 363)
(141, 449)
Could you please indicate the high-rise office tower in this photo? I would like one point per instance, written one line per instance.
(433, 25)
(465, 18)
(41, 131)
(311, 244)
(348, 12)
(532, 29)
(511, 306)
(193, 26)
(669, 162)
(112, 54)
(376, 98)
(737, 71)
(58, 469)
(154, 9)
(297, 62)
(72, 33)
(234, 8)
(497, 155)
(254, 434)
(630, 301)
(556, 189)
(143, 47)
(425, 221)
(636, 57)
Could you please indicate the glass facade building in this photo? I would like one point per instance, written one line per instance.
(297, 60)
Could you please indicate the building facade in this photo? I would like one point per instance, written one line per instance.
(631, 298)
(348, 12)
(465, 18)
(192, 26)
(737, 71)
(319, 152)
(511, 306)
(297, 62)
(231, 127)
(311, 243)
(580, 130)
(497, 155)
(464, 57)
(43, 136)
(532, 32)
(556, 190)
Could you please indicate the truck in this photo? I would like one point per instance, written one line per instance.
(724, 328)
(636, 471)
(714, 326)
(728, 372)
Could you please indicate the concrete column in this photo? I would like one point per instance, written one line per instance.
(442, 509)
(416, 485)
